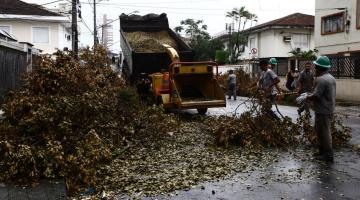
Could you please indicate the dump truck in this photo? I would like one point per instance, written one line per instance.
(161, 65)
(139, 41)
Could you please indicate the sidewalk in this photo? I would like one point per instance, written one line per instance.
(46, 190)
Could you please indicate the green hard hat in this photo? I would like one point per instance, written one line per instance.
(273, 61)
(323, 61)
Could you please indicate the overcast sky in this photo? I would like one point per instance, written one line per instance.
(211, 11)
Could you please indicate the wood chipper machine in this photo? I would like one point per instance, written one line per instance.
(188, 85)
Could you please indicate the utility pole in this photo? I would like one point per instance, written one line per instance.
(74, 29)
(95, 31)
(229, 27)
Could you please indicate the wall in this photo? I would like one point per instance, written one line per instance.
(344, 93)
(22, 30)
(63, 41)
(342, 89)
(282, 48)
(247, 51)
(338, 42)
(266, 44)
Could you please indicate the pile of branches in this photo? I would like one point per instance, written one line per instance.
(256, 128)
(341, 134)
(243, 82)
(68, 117)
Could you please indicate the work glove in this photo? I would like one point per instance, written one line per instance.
(302, 98)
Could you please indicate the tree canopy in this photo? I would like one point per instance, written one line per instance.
(200, 40)
(239, 38)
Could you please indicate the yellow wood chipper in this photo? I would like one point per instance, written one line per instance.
(151, 63)
(188, 85)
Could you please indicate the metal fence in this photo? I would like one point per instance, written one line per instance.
(341, 66)
(12, 64)
(281, 69)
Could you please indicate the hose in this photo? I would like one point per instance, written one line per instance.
(277, 109)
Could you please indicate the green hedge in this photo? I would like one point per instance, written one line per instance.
(221, 57)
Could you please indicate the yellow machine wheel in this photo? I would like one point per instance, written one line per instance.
(159, 101)
(202, 111)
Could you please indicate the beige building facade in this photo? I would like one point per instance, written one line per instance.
(31, 23)
(337, 27)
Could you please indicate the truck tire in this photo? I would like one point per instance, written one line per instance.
(202, 111)
(160, 102)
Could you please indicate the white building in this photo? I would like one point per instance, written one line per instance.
(278, 37)
(337, 27)
(32, 23)
(337, 35)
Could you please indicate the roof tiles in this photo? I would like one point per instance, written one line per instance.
(17, 7)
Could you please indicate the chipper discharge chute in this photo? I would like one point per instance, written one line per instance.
(188, 85)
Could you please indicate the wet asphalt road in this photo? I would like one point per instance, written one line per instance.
(295, 175)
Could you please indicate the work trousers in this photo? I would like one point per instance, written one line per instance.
(322, 128)
(232, 90)
(271, 101)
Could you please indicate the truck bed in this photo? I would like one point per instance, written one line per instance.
(137, 62)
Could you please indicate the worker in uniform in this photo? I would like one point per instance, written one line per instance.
(323, 98)
(305, 85)
(272, 64)
(267, 83)
(232, 85)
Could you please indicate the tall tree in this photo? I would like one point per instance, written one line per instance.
(192, 28)
(200, 40)
(239, 38)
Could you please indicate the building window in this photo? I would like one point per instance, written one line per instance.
(40, 35)
(5, 28)
(332, 23)
(358, 14)
(252, 43)
(300, 41)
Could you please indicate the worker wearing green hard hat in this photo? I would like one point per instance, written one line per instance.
(272, 64)
(323, 98)
(273, 61)
(323, 61)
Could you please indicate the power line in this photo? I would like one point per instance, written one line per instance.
(168, 2)
(91, 4)
(112, 21)
(180, 13)
(83, 21)
(140, 6)
(51, 2)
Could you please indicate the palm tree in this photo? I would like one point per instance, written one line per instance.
(253, 18)
(241, 16)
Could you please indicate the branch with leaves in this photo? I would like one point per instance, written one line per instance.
(200, 40)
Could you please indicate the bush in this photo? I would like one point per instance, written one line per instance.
(221, 57)
(65, 119)
(243, 82)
